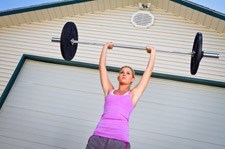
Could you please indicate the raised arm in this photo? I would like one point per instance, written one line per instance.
(105, 82)
(139, 89)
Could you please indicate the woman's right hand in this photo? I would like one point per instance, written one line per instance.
(105, 82)
(108, 45)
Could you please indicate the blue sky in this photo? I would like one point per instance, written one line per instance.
(10, 4)
(218, 5)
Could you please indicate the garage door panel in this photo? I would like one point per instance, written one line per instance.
(163, 141)
(46, 140)
(180, 122)
(44, 119)
(59, 106)
(57, 96)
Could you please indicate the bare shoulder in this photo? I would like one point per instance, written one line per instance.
(135, 96)
(108, 91)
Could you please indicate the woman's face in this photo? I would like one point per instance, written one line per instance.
(126, 76)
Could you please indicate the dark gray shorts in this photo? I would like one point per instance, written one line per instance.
(97, 142)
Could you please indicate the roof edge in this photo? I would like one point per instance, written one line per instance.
(95, 66)
(186, 3)
(41, 6)
(201, 8)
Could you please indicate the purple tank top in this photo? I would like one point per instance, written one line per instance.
(114, 122)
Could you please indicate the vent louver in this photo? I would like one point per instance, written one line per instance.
(143, 18)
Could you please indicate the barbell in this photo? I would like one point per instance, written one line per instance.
(69, 43)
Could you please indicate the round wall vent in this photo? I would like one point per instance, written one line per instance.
(142, 19)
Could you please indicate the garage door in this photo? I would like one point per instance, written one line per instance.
(58, 106)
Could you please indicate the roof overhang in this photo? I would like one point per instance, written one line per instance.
(184, 8)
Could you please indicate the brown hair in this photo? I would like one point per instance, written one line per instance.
(132, 70)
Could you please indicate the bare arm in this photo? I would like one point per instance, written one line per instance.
(139, 89)
(105, 82)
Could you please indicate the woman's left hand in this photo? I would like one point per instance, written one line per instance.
(150, 49)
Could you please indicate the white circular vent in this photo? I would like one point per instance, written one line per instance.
(142, 19)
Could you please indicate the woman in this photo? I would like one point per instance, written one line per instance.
(112, 131)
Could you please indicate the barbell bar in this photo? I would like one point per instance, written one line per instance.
(205, 54)
(57, 39)
(69, 43)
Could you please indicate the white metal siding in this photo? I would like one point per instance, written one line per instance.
(169, 32)
(101, 5)
(54, 106)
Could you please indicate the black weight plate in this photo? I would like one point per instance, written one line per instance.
(69, 32)
(197, 49)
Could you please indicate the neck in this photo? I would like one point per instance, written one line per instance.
(124, 87)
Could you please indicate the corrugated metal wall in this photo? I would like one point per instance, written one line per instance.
(188, 10)
(54, 106)
(169, 32)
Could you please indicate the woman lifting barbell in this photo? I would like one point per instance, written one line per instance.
(112, 131)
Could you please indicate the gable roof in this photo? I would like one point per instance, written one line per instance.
(184, 8)
(40, 7)
(201, 8)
